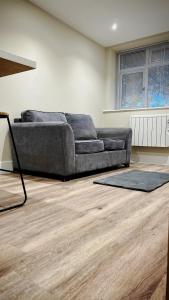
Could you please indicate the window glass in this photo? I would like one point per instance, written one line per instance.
(155, 92)
(166, 56)
(144, 77)
(132, 90)
(133, 59)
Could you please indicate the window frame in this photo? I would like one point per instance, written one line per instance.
(145, 69)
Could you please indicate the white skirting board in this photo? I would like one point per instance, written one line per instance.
(146, 158)
(6, 165)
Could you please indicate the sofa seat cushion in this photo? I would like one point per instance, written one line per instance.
(116, 144)
(101, 160)
(82, 125)
(88, 146)
(41, 116)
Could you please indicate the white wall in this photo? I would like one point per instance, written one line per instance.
(71, 68)
(111, 79)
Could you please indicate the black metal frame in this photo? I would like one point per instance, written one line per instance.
(19, 167)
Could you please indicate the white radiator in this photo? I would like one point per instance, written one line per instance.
(150, 130)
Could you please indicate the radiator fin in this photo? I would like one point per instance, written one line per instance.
(150, 130)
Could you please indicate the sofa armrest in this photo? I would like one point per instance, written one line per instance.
(114, 133)
(47, 147)
(118, 133)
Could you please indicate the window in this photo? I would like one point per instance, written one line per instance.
(143, 79)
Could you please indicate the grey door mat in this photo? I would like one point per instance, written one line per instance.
(136, 180)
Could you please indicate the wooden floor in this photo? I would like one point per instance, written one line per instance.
(80, 241)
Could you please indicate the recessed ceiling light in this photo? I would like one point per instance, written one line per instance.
(114, 26)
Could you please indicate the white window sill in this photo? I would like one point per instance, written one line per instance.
(134, 109)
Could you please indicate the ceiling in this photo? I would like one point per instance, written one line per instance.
(94, 18)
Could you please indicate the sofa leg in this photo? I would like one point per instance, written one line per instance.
(66, 178)
(127, 165)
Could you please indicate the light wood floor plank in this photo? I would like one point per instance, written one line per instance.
(80, 241)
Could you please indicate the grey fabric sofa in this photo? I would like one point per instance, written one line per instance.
(67, 144)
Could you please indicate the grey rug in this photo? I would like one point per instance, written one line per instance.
(136, 180)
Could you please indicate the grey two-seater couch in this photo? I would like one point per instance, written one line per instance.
(67, 144)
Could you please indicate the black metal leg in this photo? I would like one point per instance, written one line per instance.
(20, 171)
(167, 280)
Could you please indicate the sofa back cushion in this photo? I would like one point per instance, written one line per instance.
(40, 116)
(82, 126)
